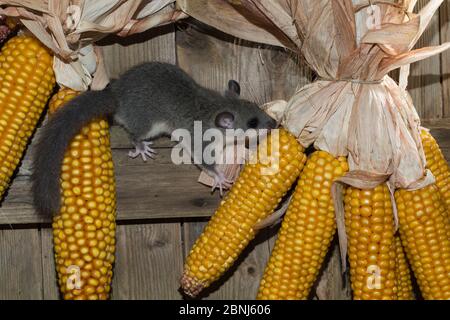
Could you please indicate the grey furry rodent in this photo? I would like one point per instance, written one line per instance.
(148, 101)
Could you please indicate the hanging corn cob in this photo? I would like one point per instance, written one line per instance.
(253, 197)
(438, 166)
(425, 234)
(403, 280)
(370, 230)
(84, 231)
(306, 232)
(26, 82)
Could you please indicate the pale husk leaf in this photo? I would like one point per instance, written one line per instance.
(70, 27)
(354, 109)
(235, 20)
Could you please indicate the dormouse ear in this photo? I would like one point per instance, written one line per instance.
(234, 89)
(225, 120)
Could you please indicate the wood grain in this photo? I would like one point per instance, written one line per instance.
(212, 58)
(49, 277)
(437, 124)
(154, 45)
(442, 136)
(332, 284)
(156, 189)
(444, 15)
(425, 81)
(20, 264)
(149, 262)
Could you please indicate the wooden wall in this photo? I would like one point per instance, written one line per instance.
(162, 209)
(429, 83)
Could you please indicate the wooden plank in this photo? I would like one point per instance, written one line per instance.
(20, 264)
(49, 277)
(156, 189)
(445, 57)
(332, 283)
(425, 80)
(212, 58)
(119, 140)
(437, 124)
(149, 262)
(441, 132)
(154, 45)
(442, 136)
(241, 282)
(274, 235)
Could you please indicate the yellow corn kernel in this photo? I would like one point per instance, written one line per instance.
(425, 235)
(369, 223)
(306, 231)
(26, 83)
(84, 264)
(403, 280)
(254, 196)
(438, 166)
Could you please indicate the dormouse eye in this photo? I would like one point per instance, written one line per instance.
(253, 123)
(225, 120)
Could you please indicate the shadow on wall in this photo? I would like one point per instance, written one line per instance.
(136, 38)
(417, 82)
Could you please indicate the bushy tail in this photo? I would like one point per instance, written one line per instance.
(54, 140)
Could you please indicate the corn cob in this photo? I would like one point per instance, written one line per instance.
(438, 166)
(306, 231)
(84, 231)
(26, 82)
(253, 197)
(369, 223)
(425, 235)
(403, 280)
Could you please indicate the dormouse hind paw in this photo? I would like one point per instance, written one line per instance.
(144, 150)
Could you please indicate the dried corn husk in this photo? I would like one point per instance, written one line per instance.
(70, 27)
(355, 109)
(232, 18)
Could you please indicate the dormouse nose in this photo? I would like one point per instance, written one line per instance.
(271, 124)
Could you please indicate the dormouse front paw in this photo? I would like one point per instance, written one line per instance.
(144, 150)
(221, 183)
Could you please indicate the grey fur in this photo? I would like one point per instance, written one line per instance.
(147, 95)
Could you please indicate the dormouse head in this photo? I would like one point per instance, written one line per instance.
(241, 114)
